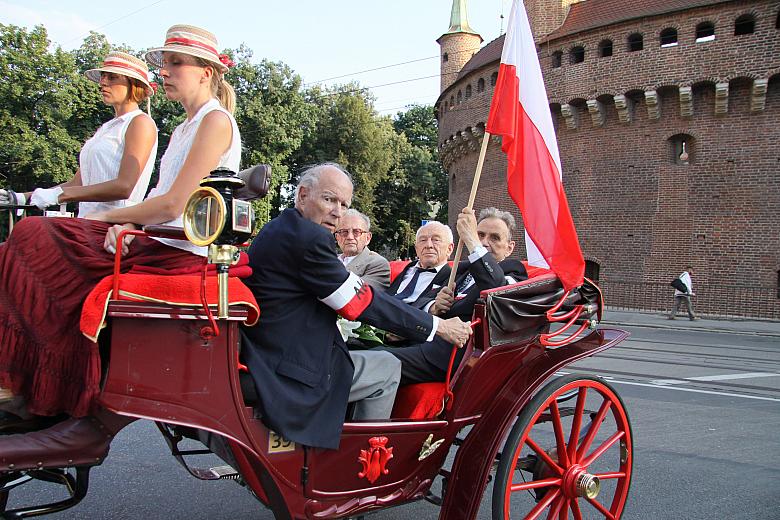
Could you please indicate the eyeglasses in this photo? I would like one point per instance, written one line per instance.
(344, 233)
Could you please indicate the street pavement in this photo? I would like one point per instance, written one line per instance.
(657, 320)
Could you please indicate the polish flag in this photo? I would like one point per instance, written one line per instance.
(520, 113)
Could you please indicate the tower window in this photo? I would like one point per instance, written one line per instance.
(481, 85)
(605, 48)
(635, 42)
(577, 54)
(445, 57)
(669, 37)
(745, 24)
(682, 147)
(452, 101)
(468, 91)
(460, 97)
(493, 79)
(557, 57)
(705, 32)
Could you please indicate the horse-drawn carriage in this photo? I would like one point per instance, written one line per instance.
(554, 446)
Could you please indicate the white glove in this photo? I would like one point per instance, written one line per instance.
(45, 197)
(7, 198)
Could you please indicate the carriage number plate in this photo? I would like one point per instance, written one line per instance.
(278, 444)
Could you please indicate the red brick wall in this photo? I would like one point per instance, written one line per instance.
(640, 215)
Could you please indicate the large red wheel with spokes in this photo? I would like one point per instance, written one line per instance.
(568, 455)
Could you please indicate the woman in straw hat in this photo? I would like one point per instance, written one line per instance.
(116, 163)
(44, 358)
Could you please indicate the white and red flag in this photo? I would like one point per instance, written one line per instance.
(520, 114)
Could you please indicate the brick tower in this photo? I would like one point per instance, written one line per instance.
(457, 45)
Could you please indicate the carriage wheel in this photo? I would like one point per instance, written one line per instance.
(569, 455)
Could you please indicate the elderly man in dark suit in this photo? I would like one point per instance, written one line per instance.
(297, 358)
(353, 237)
(433, 245)
(489, 243)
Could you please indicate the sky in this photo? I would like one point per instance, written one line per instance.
(337, 41)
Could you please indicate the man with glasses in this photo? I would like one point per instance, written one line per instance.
(353, 236)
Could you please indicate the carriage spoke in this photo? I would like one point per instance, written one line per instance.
(598, 452)
(544, 455)
(556, 508)
(542, 505)
(577, 423)
(564, 514)
(545, 482)
(594, 428)
(575, 509)
(601, 509)
(611, 475)
(558, 428)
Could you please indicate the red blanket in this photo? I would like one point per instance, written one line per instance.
(171, 290)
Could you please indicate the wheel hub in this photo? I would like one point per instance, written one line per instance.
(579, 483)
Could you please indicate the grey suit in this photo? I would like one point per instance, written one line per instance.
(372, 268)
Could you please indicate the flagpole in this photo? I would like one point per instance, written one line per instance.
(472, 196)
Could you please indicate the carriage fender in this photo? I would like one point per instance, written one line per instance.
(474, 459)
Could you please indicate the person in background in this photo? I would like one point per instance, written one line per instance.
(684, 297)
(50, 265)
(353, 237)
(116, 163)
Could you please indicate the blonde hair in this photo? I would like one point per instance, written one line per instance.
(220, 89)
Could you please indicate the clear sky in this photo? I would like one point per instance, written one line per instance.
(316, 38)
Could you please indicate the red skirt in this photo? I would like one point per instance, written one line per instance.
(48, 266)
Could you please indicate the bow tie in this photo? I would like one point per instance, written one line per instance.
(426, 269)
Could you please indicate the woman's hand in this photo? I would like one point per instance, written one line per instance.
(109, 244)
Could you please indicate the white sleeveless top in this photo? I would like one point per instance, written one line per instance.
(175, 155)
(100, 158)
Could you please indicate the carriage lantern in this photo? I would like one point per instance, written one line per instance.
(213, 217)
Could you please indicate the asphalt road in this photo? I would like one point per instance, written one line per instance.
(705, 412)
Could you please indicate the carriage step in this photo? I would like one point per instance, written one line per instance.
(216, 473)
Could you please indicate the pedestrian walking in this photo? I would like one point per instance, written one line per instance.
(683, 290)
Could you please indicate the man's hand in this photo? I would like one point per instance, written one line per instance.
(443, 302)
(455, 331)
(109, 244)
(467, 229)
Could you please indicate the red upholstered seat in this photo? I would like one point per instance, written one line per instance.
(420, 401)
(396, 266)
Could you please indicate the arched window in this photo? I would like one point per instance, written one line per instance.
(445, 57)
(557, 57)
(635, 42)
(669, 37)
(468, 91)
(745, 24)
(452, 101)
(493, 79)
(605, 48)
(577, 54)
(682, 149)
(460, 97)
(705, 32)
(481, 85)
(592, 270)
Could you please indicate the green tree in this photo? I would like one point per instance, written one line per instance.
(348, 131)
(37, 98)
(418, 188)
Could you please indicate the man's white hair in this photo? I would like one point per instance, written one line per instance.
(351, 212)
(447, 230)
(310, 177)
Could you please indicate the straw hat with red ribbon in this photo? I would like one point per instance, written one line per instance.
(187, 39)
(124, 64)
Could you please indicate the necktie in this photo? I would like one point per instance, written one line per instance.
(409, 289)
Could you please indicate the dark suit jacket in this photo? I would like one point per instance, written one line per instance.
(295, 354)
(488, 274)
(437, 283)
